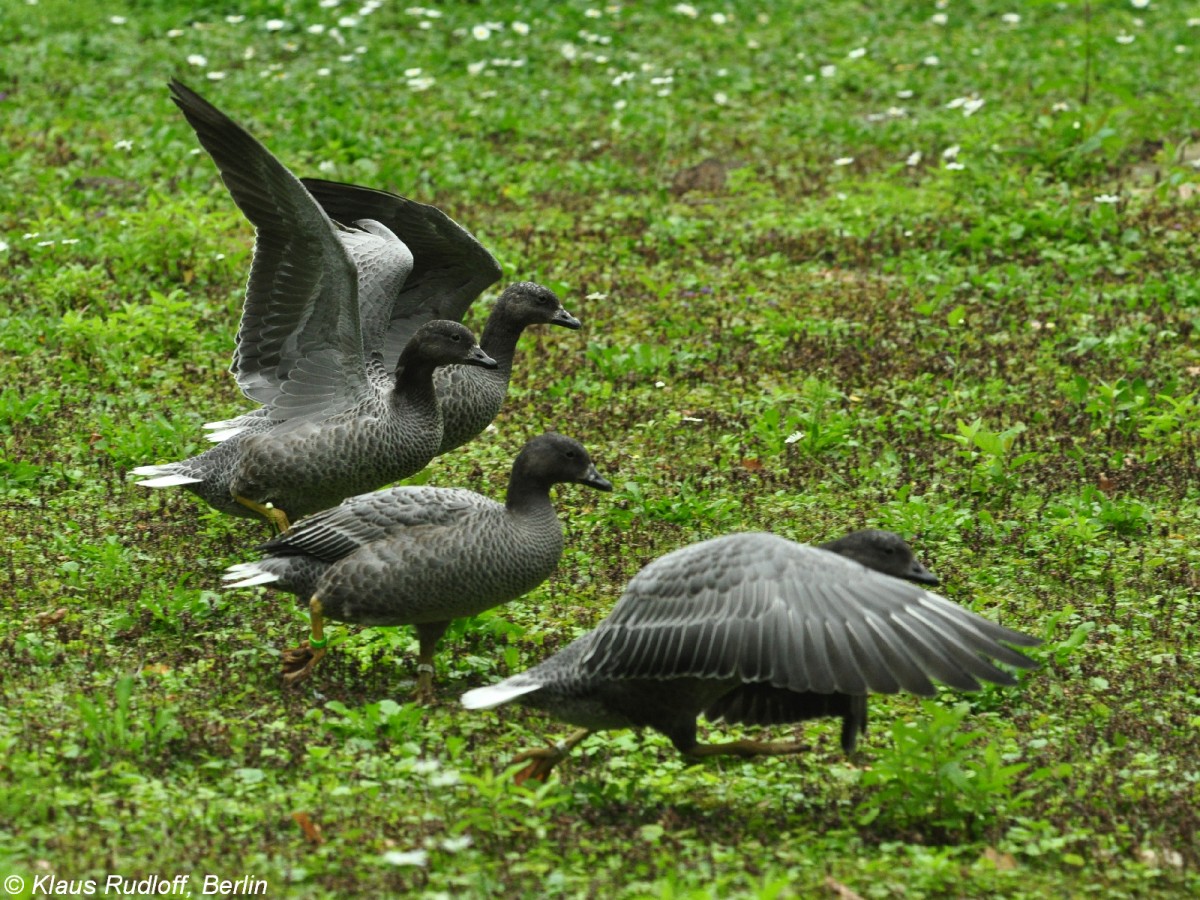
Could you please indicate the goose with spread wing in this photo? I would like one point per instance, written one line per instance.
(756, 629)
(335, 421)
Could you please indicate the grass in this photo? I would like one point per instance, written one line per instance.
(823, 287)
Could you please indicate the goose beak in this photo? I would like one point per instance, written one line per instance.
(565, 319)
(596, 480)
(920, 574)
(476, 357)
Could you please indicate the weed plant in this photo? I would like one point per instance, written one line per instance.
(924, 266)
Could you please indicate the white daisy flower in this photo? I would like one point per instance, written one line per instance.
(418, 858)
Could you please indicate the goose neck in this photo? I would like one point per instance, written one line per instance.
(499, 340)
(527, 496)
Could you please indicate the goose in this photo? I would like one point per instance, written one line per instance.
(334, 421)
(756, 629)
(423, 556)
(359, 434)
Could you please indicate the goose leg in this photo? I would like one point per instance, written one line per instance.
(271, 513)
(747, 749)
(299, 661)
(428, 634)
(544, 759)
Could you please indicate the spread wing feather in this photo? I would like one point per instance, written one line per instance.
(763, 609)
(300, 335)
(450, 268)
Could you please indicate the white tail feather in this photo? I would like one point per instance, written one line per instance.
(224, 423)
(224, 434)
(250, 575)
(165, 476)
(153, 470)
(496, 694)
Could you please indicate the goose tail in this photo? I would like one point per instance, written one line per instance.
(167, 475)
(241, 575)
(499, 693)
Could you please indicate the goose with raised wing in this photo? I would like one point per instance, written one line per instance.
(759, 630)
(337, 418)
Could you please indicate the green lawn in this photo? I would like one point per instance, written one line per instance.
(928, 270)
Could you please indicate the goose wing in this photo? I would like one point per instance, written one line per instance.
(759, 608)
(300, 344)
(363, 519)
(450, 267)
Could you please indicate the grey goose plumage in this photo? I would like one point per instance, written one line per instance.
(335, 421)
(424, 556)
(756, 629)
(470, 397)
(308, 463)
